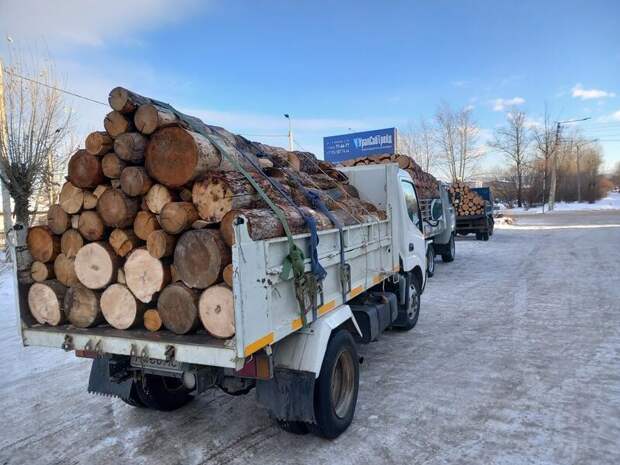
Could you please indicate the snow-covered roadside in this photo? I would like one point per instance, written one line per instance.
(611, 202)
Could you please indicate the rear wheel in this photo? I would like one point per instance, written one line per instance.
(335, 391)
(411, 306)
(162, 392)
(133, 399)
(450, 251)
(430, 260)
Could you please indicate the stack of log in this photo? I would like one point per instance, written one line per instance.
(465, 201)
(426, 184)
(143, 230)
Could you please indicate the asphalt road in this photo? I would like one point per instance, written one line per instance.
(515, 360)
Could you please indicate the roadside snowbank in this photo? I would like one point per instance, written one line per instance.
(611, 202)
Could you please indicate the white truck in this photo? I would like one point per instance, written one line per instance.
(439, 219)
(306, 375)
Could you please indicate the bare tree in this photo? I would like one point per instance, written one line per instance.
(457, 141)
(37, 122)
(512, 141)
(544, 137)
(418, 142)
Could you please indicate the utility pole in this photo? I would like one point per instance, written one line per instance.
(4, 145)
(290, 132)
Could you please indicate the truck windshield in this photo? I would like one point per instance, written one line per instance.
(411, 201)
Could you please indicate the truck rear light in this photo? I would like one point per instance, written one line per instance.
(258, 366)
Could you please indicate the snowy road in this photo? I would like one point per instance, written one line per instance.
(516, 360)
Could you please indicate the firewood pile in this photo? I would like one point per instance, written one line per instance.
(426, 184)
(142, 233)
(465, 201)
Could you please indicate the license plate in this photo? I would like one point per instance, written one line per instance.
(156, 364)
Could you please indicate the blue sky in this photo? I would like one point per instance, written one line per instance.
(337, 66)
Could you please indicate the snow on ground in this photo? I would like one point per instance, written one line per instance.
(610, 202)
(514, 361)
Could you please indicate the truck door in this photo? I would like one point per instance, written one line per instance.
(416, 245)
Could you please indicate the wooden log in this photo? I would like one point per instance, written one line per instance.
(130, 147)
(178, 308)
(174, 275)
(40, 271)
(200, 258)
(64, 269)
(135, 181)
(100, 189)
(82, 306)
(144, 224)
(84, 170)
(117, 209)
(70, 242)
(120, 308)
(120, 277)
(304, 161)
(152, 320)
(115, 124)
(43, 245)
(46, 302)
(217, 311)
(176, 217)
(125, 101)
(112, 166)
(99, 143)
(149, 118)
(227, 275)
(160, 244)
(220, 192)
(185, 195)
(71, 198)
(75, 221)
(174, 156)
(90, 201)
(145, 275)
(96, 265)
(57, 219)
(123, 241)
(158, 196)
(91, 226)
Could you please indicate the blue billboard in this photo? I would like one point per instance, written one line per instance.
(359, 144)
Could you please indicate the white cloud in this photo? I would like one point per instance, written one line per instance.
(587, 94)
(613, 117)
(88, 22)
(501, 104)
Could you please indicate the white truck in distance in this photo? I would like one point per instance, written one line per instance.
(307, 376)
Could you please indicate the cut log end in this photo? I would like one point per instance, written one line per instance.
(120, 308)
(42, 244)
(217, 311)
(178, 308)
(200, 257)
(96, 265)
(46, 302)
(152, 320)
(82, 307)
(145, 275)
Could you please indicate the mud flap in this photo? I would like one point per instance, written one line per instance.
(289, 395)
(109, 376)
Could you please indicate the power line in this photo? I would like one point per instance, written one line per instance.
(55, 88)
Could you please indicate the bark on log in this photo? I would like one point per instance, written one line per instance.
(158, 196)
(176, 217)
(46, 302)
(70, 242)
(99, 143)
(221, 192)
(227, 275)
(112, 166)
(91, 226)
(42, 244)
(64, 269)
(217, 311)
(90, 201)
(84, 170)
(145, 275)
(130, 147)
(160, 244)
(57, 219)
(82, 306)
(71, 198)
(200, 258)
(135, 181)
(149, 118)
(144, 224)
(40, 271)
(120, 308)
(174, 156)
(185, 195)
(152, 320)
(304, 161)
(117, 209)
(96, 265)
(123, 241)
(125, 101)
(178, 308)
(115, 123)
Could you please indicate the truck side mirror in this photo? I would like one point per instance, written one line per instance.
(436, 209)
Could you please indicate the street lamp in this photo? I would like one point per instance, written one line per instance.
(290, 132)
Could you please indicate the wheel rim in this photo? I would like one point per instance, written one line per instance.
(413, 302)
(343, 384)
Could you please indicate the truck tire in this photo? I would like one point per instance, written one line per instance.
(485, 236)
(134, 399)
(430, 261)
(411, 306)
(449, 251)
(162, 392)
(335, 390)
(478, 236)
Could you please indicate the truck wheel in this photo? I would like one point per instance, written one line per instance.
(162, 392)
(485, 236)
(335, 391)
(412, 305)
(450, 251)
(134, 399)
(430, 260)
(478, 236)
